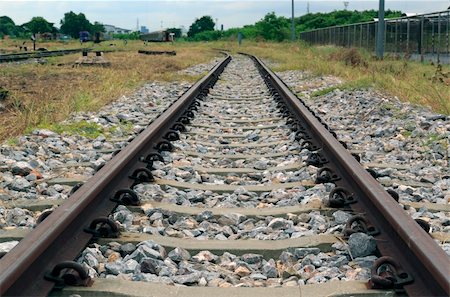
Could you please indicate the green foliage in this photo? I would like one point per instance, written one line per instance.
(349, 86)
(97, 27)
(130, 36)
(207, 36)
(72, 24)
(313, 21)
(7, 27)
(275, 28)
(272, 27)
(39, 25)
(205, 23)
(176, 31)
(82, 128)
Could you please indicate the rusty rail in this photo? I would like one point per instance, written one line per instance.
(37, 54)
(61, 236)
(400, 237)
(421, 267)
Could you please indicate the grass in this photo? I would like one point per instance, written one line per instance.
(82, 128)
(409, 81)
(41, 95)
(359, 84)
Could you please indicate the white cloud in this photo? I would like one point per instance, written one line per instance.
(231, 13)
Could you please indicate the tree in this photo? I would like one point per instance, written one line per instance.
(272, 27)
(97, 27)
(7, 27)
(205, 23)
(39, 25)
(175, 31)
(73, 23)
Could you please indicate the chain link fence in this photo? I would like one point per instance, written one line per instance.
(420, 37)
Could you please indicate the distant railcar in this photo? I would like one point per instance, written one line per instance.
(85, 36)
(157, 36)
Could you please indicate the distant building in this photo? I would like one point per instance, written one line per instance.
(144, 29)
(110, 29)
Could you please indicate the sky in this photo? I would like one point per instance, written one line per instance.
(175, 13)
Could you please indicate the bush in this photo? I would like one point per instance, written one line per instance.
(207, 36)
(350, 56)
(131, 36)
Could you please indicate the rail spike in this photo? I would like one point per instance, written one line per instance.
(69, 273)
(386, 273)
(103, 227)
(326, 175)
(357, 224)
(126, 197)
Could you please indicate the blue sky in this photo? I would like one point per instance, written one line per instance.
(173, 13)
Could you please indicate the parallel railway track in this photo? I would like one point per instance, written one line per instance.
(5, 58)
(262, 128)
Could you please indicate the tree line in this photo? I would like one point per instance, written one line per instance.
(270, 27)
(278, 28)
(71, 24)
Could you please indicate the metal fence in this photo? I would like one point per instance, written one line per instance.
(420, 37)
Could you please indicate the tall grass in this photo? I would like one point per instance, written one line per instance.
(409, 81)
(46, 94)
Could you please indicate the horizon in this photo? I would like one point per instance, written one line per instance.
(165, 14)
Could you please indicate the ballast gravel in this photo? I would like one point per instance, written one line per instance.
(385, 130)
(150, 262)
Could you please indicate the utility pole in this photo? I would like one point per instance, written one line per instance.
(293, 23)
(346, 4)
(307, 8)
(380, 35)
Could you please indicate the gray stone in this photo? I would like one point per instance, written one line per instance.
(130, 266)
(127, 248)
(365, 262)
(142, 252)
(278, 223)
(204, 216)
(361, 245)
(341, 217)
(303, 252)
(287, 257)
(258, 276)
(187, 279)
(179, 254)
(231, 219)
(114, 268)
(205, 256)
(21, 168)
(261, 165)
(150, 265)
(251, 258)
(123, 117)
(20, 184)
(269, 269)
(5, 247)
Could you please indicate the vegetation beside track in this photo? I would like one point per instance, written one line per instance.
(42, 95)
(419, 83)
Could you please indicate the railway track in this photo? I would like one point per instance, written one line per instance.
(5, 58)
(234, 185)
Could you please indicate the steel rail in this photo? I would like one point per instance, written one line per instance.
(401, 237)
(38, 54)
(60, 237)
